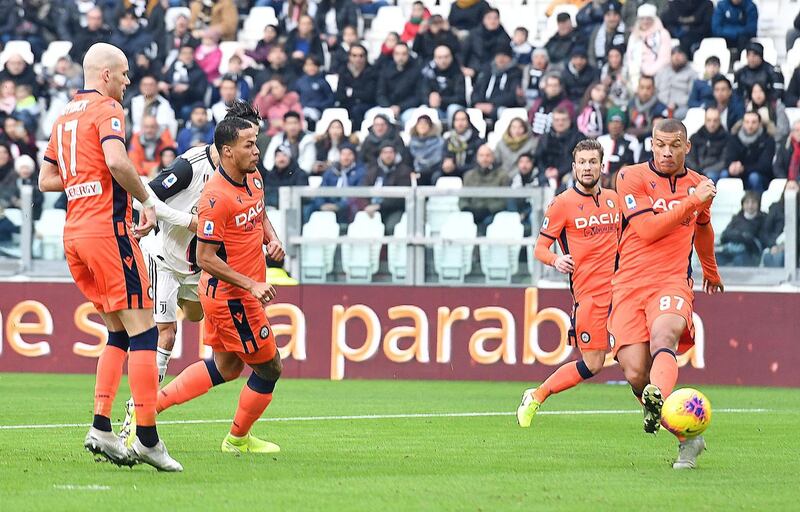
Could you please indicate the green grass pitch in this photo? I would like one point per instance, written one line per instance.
(566, 461)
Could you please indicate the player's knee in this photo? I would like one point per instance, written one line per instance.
(663, 339)
(230, 370)
(593, 366)
(270, 370)
(637, 377)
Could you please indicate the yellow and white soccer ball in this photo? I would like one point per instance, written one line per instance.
(686, 412)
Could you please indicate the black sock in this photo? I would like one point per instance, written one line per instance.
(102, 423)
(148, 436)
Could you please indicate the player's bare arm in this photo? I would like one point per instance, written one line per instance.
(49, 179)
(704, 245)
(125, 174)
(208, 260)
(274, 246)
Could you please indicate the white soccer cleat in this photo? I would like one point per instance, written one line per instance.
(109, 446)
(688, 451)
(156, 456)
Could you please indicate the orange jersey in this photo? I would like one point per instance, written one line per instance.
(645, 192)
(586, 227)
(231, 215)
(97, 205)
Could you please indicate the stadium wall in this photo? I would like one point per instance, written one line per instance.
(390, 332)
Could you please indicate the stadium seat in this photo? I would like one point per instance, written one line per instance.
(439, 208)
(360, 262)
(278, 220)
(369, 117)
(23, 48)
(727, 203)
(708, 47)
(334, 114)
(228, 49)
(551, 26)
(770, 52)
(50, 229)
(389, 19)
(513, 15)
(333, 80)
(793, 114)
(419, 112)
(478, 121)
(500, 262)
(694, 120)
(452, 182)
(254, 23)
(315, 181)
(172, 15)
(55, 50)
(452, 262)
(791, 62)
(502, 123)
(396, 253)
(317, 260)
(14, 215)
(773, 193)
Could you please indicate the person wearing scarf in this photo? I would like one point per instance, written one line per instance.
(485, 174)
(460, 146)
(591, 119)
(426, 146)
(644, 108)
(419, 14)
(707, 155)
(292, 10)
(749, 154)
(608, 34)
(741, 245)
(649, 46)
(516, 141)
(347, 172)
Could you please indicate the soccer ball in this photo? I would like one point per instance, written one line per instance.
(686, 412)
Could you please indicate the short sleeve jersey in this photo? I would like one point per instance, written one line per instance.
(231, 215)
(97, 206)
(644, 190)
(586, 227)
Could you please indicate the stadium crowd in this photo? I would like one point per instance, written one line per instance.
(609, 73)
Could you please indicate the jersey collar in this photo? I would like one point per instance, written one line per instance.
(87, 91)
(595, 198)
(652, 164)
(231, 180)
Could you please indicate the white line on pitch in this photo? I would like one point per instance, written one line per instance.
(73, 487)
(380, 417)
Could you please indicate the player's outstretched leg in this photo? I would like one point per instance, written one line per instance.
(100, 440)
(256, 395)
(567, 376)
(688, 451)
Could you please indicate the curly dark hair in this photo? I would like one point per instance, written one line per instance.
(243, 110)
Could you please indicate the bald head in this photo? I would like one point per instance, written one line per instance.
(105, 68)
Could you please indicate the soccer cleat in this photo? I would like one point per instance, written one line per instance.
(156, 456)
(109, 446)
(127, 433)
(248, 444)
(688, 451)
(652, 403)
(527, 409)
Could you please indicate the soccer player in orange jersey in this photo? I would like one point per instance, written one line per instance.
(86, 158)
(585, 221)
(665, 209)
(231, 235)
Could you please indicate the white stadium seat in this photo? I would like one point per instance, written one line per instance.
(770, 52)
(694, 120)
(396, 254)
(773, 193)
(14, 215)
(478, 121)
(254, 23)
(315, 181)
(439, 208)
(22, 48)
(793, 115)
(453, 262)
(708, 47)
(334, 114)
(727, 203)
(450, 182)
(50, 229)
(502, 123)
(317, 260)
(359, 261)
(55, 50)
(369, 117)
(228, 49)
(172, 15)
(500, 262)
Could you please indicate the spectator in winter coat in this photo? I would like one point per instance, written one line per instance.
(293, 10)
(388, 170)
(578, 75)
(590, 16)
(208, 55)
(95, 31)
(791, 97)
(433, 34)
(793, 33)
(736, 21)
(442, 85)
(540, 116)
(689, 21)
(398, 83)
(520, 46)
(347, 172)
(702, 94)
(730, 106)
(152, 103)
(775, 226)
(757, 71)
(749, 154)
(284, 173)
(11, 185)
(299, 143)
(496, 86)
(179, 36)
(619, 148)
(426, 147)
(560, 46)
(278, 65)
(485, 174)
(221, 15)
(328, 145)
(741, 245)
(268, 41)
(198, 131)
(460, 146)
(184, 83)
(483, 42)
(146, 146)
(787, 161)
(608, 34)
(357, 81)
(466, 15)
(333, 15)
(304, 42)
(674, 83)
(274, 101)
(131, 37)
(615, 77)
(532, 75)
(773, 113)
(227, 95)
(340, 50)
(707, 155)
(516, 141)
(523, 177)
(554, 153)
(648, 46)
(315, 92)
(592, 114)
(645, 108)
(382, 130)
(630, 9)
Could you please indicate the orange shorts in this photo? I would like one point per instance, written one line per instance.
(590, 323)
(239, 326)
(110, 272)
(634, 310)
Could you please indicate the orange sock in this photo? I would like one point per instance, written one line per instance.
(253, 401)
(109, 372)
(569, 375)
(664, 372)
(192, 382)
(143, 376)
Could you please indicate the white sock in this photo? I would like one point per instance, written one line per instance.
(162, 359)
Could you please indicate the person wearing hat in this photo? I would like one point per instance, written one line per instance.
(758, 71)
(736, 21)
(388, 170)
(630, 11)
(482, 43)
(649, 45)
(285, 173)
(532, 75)
(347, 172)
(496, 86)
(689, 21)
(434, 35)
(560, 46)
(578, 75)
(674, 83)
(620, 149)
(608, 34)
